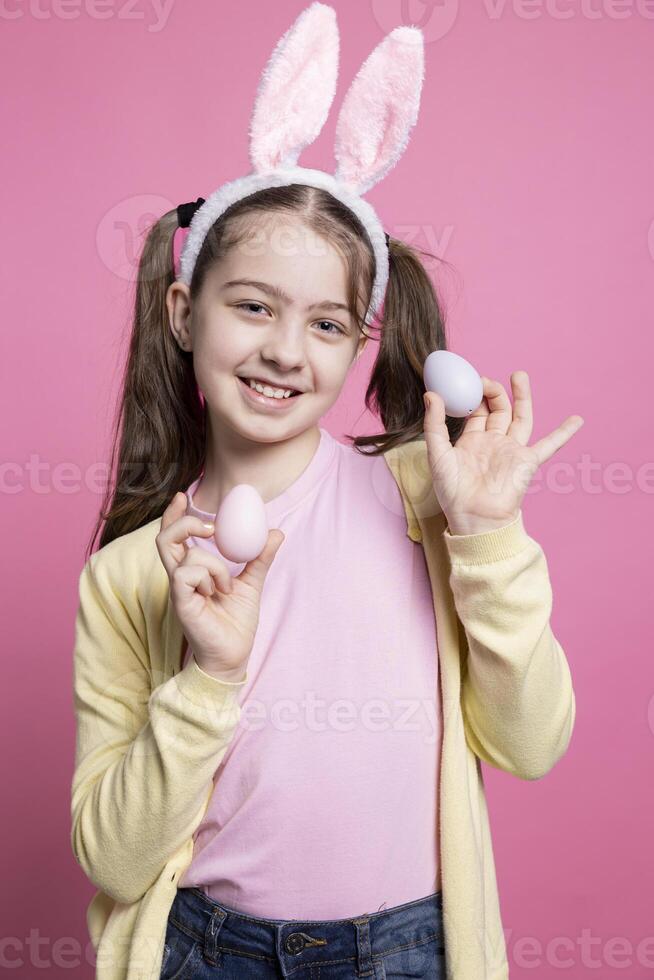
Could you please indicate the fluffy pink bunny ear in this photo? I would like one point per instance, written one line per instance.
(296, 90)
(379, 109)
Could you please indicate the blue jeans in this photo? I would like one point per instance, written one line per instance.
(208, 941)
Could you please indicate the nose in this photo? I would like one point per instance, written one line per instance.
(285, 345)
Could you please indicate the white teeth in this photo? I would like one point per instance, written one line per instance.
(270, 392)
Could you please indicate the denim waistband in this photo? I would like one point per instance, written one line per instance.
(292, 942)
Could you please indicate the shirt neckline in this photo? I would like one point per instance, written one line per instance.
(291, 497)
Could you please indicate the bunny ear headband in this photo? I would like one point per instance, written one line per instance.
(295, 93)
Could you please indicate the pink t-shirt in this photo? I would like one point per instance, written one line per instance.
(325, 804)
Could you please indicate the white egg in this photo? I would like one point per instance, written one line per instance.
(455, 380)
(241, 524)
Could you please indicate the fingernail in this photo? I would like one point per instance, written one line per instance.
(209, 526)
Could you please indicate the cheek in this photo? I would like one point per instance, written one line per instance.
(213, 361)
(218, 348)
(330, 365)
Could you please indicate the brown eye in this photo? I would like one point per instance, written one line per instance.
(243, 306)
(331, 324)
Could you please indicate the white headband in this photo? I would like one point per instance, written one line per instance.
(295, 93)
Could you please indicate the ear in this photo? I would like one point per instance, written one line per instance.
(179, 314)
(360, 347)
(296, 90)
(379, 109)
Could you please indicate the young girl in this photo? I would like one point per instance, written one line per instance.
(273, 777)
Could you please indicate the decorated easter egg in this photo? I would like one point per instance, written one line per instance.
(455, 380)
(241, 528)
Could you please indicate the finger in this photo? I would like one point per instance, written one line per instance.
(437, 435)
(175, 509)
(500, 414)
(476, 421)
(255, 571)
(185, 527)
(187, 579)
(523, 420)
(171, 540)
(216, 566)
(551, 443)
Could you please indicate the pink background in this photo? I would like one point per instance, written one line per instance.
(530, 171)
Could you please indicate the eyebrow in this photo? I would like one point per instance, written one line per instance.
(280, 294)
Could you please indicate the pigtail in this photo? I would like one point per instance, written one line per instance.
(412, 326)
(159, 428)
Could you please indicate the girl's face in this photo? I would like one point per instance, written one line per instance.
(274, 308)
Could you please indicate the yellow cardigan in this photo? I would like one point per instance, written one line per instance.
(150, 737)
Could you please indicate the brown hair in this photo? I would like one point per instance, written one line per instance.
(160, 427)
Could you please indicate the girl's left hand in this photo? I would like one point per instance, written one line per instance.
(480, 481)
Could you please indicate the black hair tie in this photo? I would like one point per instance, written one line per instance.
(185, 212)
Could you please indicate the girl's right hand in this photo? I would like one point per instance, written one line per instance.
(219, 614)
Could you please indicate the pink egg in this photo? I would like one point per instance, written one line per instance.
(241, 524)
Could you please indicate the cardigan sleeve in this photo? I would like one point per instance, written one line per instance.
(145, 755)
(517, 697)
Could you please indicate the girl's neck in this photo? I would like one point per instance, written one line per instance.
(271, 467)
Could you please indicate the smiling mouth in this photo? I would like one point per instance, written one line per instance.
(269, 398)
